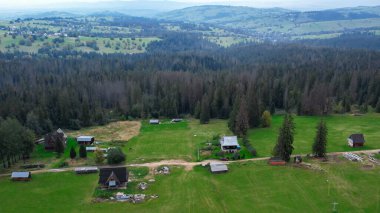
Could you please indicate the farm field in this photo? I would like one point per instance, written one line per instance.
(246, 187)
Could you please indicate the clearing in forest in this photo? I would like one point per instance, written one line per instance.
(115, 131)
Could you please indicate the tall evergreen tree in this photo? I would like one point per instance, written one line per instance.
(241, 120)
(73, 153)
(233, 115)
(320, 142)
(253, 109)
(284, 146)
(205, 110)
(82, 151)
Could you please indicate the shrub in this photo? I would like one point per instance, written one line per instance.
(236, 156)
(220, 154)
(115, 156)
(73, 153)
(63, 164)
(99, 158)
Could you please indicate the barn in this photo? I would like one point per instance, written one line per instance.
(356, 140)
(21, 176)
(113, 177)
(85, 140)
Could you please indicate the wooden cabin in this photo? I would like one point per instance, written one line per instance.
(113, 177)
(85, 140)
(51, 139)
(229, 144)
(356, 140)
(21, 176)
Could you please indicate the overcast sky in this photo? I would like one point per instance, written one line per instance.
(294, 4)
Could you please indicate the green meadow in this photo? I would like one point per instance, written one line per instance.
(182, 140)
(247, 187)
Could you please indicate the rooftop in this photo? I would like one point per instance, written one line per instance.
(20, 174)
(85, 138)
(229, 141)
(218, 167)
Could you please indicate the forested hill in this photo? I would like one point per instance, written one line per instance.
(279, 24)
(44, 92)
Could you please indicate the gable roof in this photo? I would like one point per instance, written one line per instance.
(357, 138)
(121, 173)
(229, 141)
(218, 167)
(85, 138)
(20, 175)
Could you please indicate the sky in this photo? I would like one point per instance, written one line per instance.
(290, 4)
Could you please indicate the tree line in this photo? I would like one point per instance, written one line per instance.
(72, 91)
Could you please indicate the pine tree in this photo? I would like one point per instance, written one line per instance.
(197, 110)
(82, 151)
(266, 119)
(241, 120)
(73, 153)
(320, 142)
(253, 109)
(233, 115)
(284, 146)
(205, 111)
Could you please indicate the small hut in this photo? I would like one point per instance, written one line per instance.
(356, 140)
(276, 161)
(21, 176)
(218, 168)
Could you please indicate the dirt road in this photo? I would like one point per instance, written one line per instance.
(189, 165)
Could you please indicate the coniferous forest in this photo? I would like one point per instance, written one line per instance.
(70, 90)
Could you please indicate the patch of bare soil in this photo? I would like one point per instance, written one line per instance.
(115, 131)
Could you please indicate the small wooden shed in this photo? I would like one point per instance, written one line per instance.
(85, 140)
(276, 161)
(356, 140)
(21, 176)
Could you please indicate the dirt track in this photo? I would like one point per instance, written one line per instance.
(189, 165)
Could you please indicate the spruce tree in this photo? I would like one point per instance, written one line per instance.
(73, 153)
(241, 120)
(233, 115)
(253, 109)
(82, 151)
(320, 142)
(205, 111)
(284, 146)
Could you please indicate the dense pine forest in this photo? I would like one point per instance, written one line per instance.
(73, 91)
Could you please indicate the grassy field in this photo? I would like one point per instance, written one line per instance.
(339, 126)
(248, 187)
(172, 141)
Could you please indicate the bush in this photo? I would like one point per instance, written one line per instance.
(115, 156)
(73, 153)
(220, 154)
(63, 164)
(99, 158)
(236, 156)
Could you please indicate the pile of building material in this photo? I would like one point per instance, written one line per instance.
(163, 170)
(311, 166)
(352, 157)
(373, 160)
(138, 198)
(142, 186)
(122, 197)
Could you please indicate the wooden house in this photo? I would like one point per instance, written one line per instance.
(113, 177)
(229, 144)
(356, 140)
(51, 139)
(21, 176)
(154, 121)
(85, 140)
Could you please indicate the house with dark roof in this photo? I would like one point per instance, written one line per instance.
(113, 177)
(356, 140)
(229, 144)
(51, 139)
(21, 176)
(85, 140)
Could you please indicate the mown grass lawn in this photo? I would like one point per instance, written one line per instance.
(247, 187)
(339, 128)
(172, 140)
